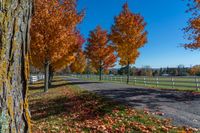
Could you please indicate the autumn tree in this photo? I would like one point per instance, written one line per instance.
(79, 65)
(99, 51)
(54, 38)
(14, 39)
(193, 29)
(195, 70)
(89, 69)
(128, 35)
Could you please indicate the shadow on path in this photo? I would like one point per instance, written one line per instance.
(151, 98)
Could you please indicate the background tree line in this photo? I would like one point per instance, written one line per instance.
(134, 71)
(168, 71)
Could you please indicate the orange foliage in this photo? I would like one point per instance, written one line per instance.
(89, 68)
(69, 58)
(99, 51)
(193, 29)
(128, 35)
(195, 70)
(54, 38)
(79, 64)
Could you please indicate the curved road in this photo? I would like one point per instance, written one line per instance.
(182, 107)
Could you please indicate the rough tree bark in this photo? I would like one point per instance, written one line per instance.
(14, 39)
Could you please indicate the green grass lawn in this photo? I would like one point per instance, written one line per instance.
(66, 108)
(180, 83)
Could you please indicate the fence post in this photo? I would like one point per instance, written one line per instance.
(197, 83)
(173, 83)
(135, 80)
(145, 84)
(157, 82)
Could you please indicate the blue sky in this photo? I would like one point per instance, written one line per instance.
(165, 20)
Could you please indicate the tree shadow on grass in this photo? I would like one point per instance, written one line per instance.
(80, 107)
(55, 103)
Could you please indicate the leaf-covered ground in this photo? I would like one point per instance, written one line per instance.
(66, 108)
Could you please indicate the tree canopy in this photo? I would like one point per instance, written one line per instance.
(99, 51)
(128, 34)
(193, 29)
(53, 33)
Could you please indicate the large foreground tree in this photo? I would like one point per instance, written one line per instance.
(99, 51)
(14, 39)
(128, 35)
(193, 29)
(54, 38)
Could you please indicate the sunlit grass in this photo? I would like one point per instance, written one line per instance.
(181, 84)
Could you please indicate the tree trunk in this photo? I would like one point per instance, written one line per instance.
(100, 73)
(46, 78)
(100, 70)
(14, 39)
(128, 72)
(50, 75)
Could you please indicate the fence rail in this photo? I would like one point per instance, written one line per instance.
(187, 83)
(35, 78)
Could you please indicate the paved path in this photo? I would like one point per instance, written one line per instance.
(182, 107)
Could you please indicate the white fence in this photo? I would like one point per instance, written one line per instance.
(35, 78)
(187, 83)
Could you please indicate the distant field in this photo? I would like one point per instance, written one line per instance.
(181, 83)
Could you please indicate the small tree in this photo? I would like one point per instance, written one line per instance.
(195, 70)
(99, 51)
(54, 38)
(128, 35)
